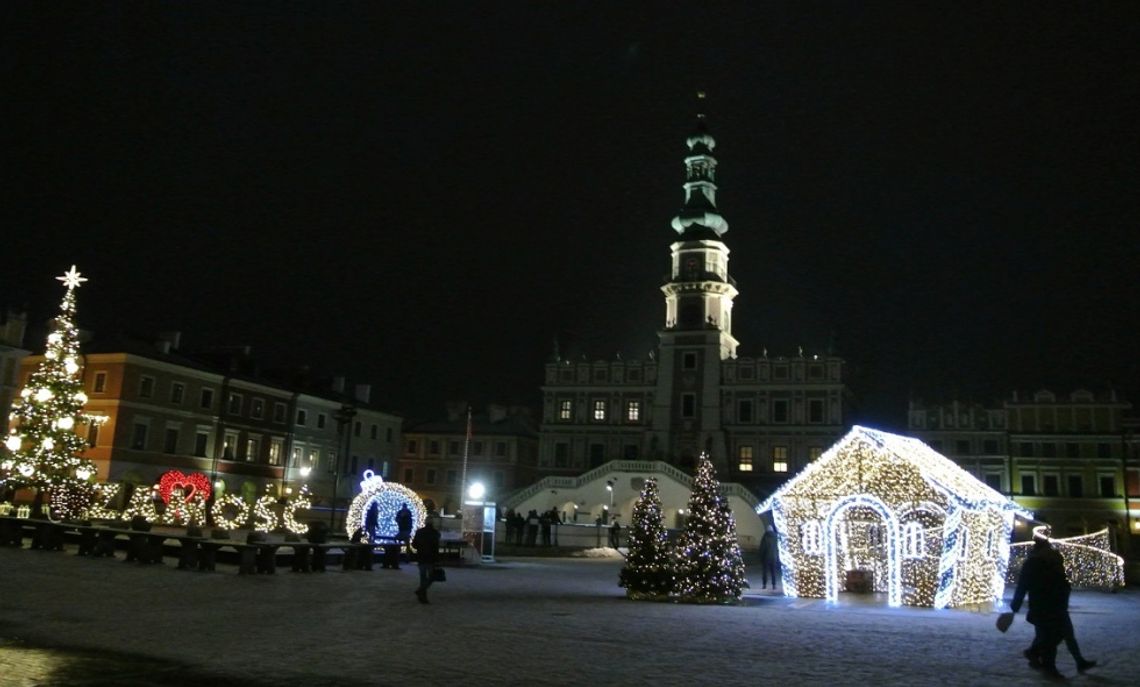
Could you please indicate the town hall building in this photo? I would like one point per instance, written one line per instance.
(759, 417)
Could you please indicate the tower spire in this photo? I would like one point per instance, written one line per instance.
(699, 213)
(699, 291)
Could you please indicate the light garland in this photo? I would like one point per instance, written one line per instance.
(141, 503)
(1089, 560)
(105, 494)
(264, 519)
(288, 515)
(225, 522)
(388, 497)
(181, 510)
(932, 534)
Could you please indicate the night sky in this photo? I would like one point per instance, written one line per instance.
(423, 196)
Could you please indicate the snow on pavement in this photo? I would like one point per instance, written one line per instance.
(521, 621)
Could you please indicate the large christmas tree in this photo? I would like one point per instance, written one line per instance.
(45, 450)
(648, 571)
(708, 563)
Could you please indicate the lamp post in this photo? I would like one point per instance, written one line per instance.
(610, 510)
(343, 419)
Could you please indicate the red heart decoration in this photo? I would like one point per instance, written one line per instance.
(193, 486)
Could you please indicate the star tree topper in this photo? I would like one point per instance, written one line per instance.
(71, 278)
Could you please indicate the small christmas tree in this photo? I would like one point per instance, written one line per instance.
(45, 450)
(708, 563)
(648, 572)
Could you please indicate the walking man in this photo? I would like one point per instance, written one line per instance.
(1043, 578)
(426, 544)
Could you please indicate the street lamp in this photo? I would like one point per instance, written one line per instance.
(610, 488)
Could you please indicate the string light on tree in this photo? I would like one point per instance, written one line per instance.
(46, 451)
(708, 565)
(648, 570)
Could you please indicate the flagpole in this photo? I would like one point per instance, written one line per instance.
(466, 448)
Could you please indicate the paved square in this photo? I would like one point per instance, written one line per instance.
(519, 622)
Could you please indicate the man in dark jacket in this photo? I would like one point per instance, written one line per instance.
(426, 544)
(1043, 578)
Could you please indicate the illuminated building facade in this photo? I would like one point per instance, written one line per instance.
(167, 409)
(1071, 459)
(501, 454)
(12, 327)
(759, 417)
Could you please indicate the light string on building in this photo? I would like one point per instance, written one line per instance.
(859, 504)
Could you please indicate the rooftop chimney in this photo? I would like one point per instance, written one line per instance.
(363, 393)
(338, 384)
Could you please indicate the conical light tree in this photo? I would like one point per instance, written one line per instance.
(648, 571)
(708, 563)
(44, 448)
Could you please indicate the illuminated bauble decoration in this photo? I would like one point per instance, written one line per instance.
(65, 423)
(27, 469)
(44, 394)
(84, 473)
(13, 442)
(48, 443)
(71, 366)
(80, 398)
(387, 497)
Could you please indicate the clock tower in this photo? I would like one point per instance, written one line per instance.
(698, 316)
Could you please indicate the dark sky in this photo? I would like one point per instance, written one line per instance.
(425, 195)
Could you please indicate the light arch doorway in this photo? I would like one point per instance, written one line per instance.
(836, 537)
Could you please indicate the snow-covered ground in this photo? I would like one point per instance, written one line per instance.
(522, 621)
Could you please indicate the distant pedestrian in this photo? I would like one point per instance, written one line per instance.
(1043, 579)
(404, 522)
(615, 534)
(532, 527)
(544, 525)
(769, 559)
(426, 545)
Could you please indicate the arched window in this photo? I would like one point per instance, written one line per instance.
(811, 538)
(914, 540)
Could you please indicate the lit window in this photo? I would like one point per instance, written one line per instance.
(276, 448)
(252, 449)
(744, 459)
(599, 410)
(100, 382)
(779, 459)
(633, 411)
(565, 408)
